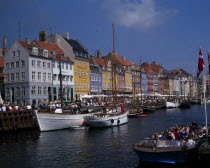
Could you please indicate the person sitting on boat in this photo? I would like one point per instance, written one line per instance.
(176, 134)
(189, 142)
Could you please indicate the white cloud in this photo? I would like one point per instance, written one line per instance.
(139, 14)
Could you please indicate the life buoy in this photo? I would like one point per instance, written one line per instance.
(112, 121)
(118, 121)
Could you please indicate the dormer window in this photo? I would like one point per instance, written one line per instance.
(45, 53)
(35, 51)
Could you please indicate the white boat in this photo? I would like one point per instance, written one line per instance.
(49, 121)
(108, 119)
(172, 104)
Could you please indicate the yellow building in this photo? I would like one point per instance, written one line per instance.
(128, 81)
(106, 74)
(81, 68)
(81, 77)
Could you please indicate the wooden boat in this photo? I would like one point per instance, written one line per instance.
(63, 119)
(168, 151)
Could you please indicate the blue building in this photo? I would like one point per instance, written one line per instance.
(95, 77)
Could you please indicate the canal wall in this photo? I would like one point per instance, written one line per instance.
(16, 120)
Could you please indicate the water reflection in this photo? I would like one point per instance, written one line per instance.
(104, 148)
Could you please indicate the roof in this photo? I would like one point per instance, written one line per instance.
(101, 61)
(122, 61)
(76, 45)
(51, 47)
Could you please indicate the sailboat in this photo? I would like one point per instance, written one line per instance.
(114, 113)
(63, 118)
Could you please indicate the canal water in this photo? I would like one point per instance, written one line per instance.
(91, 148)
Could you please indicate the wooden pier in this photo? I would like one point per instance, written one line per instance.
(16, 120)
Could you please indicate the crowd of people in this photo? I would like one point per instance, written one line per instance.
(188, 134)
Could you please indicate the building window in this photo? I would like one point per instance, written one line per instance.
(70, 67)
(12, 77)
(71, 78)
(49, 76)
(39, 90)
(44, 76)
(48, 65)
(35, 51)
(22, 76)
(38, 63)
(33, 90)
(33, 63)
(17, 64)
(7, 65)
(17, 76)
(22, 63)
(23, 92)
(67, 66)
(53, 65)
(45, 90)
(39, 76)
(18, 53)
(62, 65)
(33, 75)
(44, 64)
(17, 91)
(12, 65)
(7, 77)
(13, 53)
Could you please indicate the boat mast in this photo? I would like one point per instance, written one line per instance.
(140, 80)
(114, 83)
(61, 84)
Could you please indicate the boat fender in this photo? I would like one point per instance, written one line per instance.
(112, 121)
(118, 121)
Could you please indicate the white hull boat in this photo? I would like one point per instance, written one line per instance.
(172, 104)
(55, 121)
(106, 119)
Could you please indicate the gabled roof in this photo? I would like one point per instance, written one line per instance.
(52, 47)
(101, 61)
(27, 46)
(122, 61)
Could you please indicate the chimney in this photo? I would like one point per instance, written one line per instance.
(153, 62)
(28, 40)
(43, 36)
(123, 57)
(99, 54)
(67, 35)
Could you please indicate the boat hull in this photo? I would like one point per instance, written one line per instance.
(107, 120)
(172, 105)
(173, 156)
(52, 121)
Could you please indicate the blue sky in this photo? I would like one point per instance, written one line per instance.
(168, 32)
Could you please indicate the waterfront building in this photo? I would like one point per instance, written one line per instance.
(144, 82)
(106, 67)
(81, 68)
(95, 76)
(25, 66)
(60, 58)
(136, 80)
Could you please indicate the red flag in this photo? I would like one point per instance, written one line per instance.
(209, 61)
(200, 63)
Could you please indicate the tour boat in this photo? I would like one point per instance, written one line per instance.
(168, 151)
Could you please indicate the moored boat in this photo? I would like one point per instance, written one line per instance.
(172, 104)
(113, 117)
(49, 121)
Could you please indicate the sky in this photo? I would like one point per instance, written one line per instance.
(169, 32)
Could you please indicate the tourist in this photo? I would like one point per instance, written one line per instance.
(176, 134)
(4, 108)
